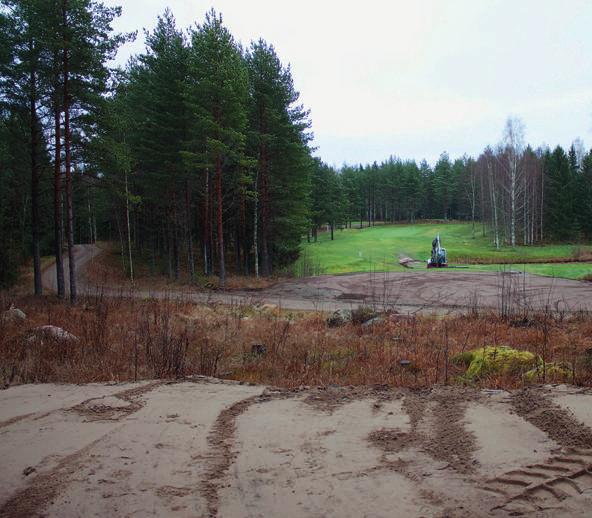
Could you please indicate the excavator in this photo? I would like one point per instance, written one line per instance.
(439, 258)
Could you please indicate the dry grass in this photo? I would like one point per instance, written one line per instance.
(107, 270)
(126, 339)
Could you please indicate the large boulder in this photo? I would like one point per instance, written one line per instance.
(51, 333)
(495, 360)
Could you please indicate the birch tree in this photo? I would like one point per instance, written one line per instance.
(513, 147)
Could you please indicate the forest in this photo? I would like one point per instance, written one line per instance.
(197, 157)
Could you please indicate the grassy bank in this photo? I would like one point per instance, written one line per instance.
(380, 248)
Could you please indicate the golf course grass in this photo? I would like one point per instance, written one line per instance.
(380, 248)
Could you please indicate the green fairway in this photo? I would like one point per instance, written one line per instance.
(380, 248)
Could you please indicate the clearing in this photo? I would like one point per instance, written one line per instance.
(379, 248)
(412, 291)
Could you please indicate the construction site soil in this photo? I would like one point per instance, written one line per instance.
(205, 447)
(424, 291)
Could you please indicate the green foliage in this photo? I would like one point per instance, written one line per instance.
(492, 360)
(504, 360)
(277, 140)
(562, 185)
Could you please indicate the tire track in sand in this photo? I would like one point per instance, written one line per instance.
(46, 486)
(559, 479)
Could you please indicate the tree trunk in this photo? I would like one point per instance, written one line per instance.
(264, 182)
(206, 225)
(494, 208)
(190, 257)
(222, 273)
(67, 145)
(35, 184)
(129, 237)
(256, 226)
(513, 188)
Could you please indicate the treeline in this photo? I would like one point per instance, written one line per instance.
(512, 193)
(53, 82)
(194, 157)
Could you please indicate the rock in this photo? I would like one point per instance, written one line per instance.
(495, 360)
(52, 333)
(362, 314)
(27, 471)
(372, 321)
(14, 315)
(267, 308)
(339, 318)
(256, 354)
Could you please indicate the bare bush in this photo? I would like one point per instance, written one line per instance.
(126, 339)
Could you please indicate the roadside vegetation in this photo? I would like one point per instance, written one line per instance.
(380, 248)
(117, 339)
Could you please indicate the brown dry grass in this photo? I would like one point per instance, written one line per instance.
(123, 339)
(107, 270)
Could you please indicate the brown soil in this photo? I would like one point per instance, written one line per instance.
(412, 291)
(558, 423)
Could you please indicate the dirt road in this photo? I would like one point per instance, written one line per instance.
(409, 292)
(203, 447)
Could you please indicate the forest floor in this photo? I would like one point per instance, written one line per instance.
(204, 447)
(380, 248)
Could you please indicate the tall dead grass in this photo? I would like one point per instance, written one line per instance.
(127, 339)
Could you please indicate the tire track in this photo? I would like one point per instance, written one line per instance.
(46, 486)
(554, 482)
(538, 486)
(221, 442)
(558, 423)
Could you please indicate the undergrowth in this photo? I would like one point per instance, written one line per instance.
(125, 339)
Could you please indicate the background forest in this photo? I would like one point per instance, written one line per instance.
(196, 157)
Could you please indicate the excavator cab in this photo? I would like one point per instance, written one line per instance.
(439, 259)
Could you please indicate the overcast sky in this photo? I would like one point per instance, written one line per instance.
(414, 78)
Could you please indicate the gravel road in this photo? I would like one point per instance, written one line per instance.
(425, 291)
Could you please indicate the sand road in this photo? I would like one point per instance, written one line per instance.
(202, 447)
(425, 291)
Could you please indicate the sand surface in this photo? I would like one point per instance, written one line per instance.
(203, 447)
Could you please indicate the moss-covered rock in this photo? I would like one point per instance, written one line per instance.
(496, 360)
(553, 371)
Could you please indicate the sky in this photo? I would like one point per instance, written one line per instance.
(415, 78)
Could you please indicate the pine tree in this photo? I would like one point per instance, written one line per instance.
(560, 220)
(158, 127)
(23, 67)
(278, 139)
(216, 94)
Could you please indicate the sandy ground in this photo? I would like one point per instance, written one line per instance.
(425, 291)
(204, 447)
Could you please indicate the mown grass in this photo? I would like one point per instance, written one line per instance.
(380, 248)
